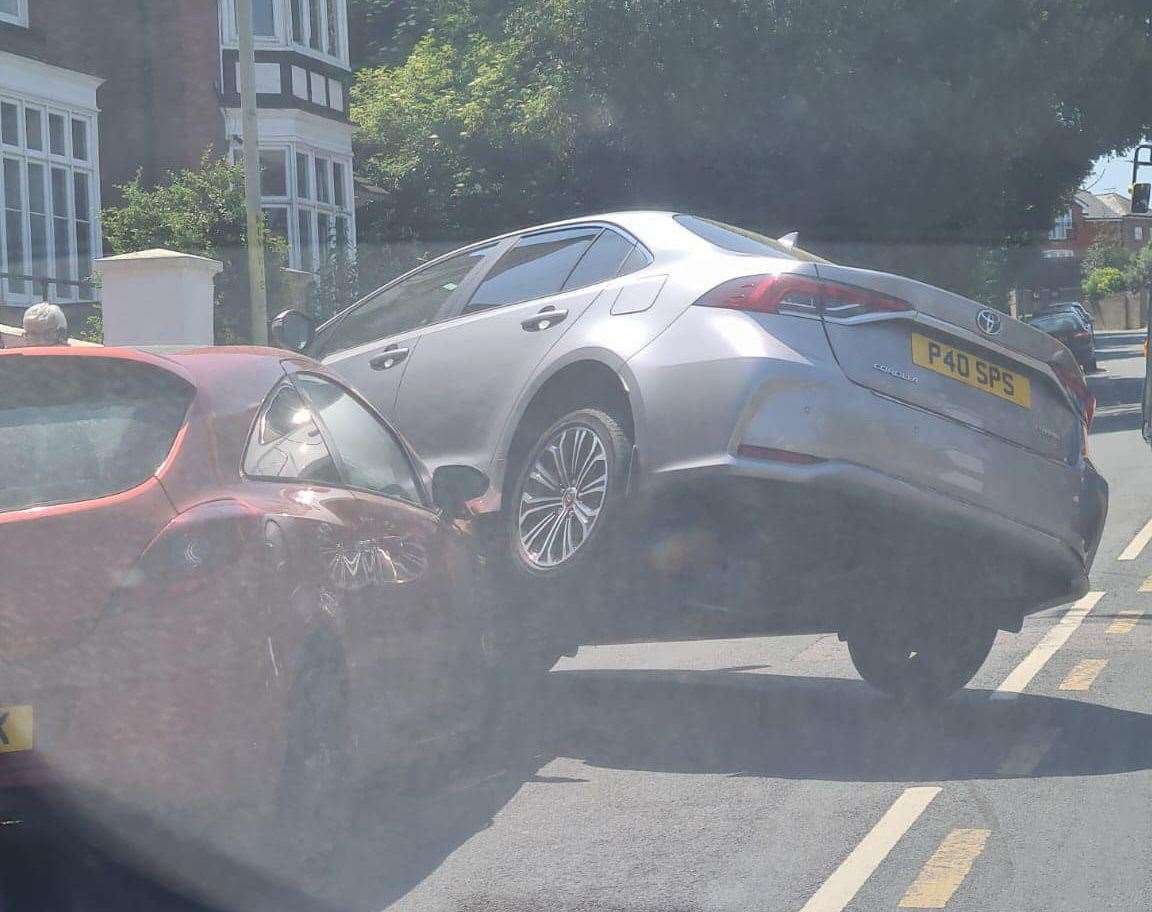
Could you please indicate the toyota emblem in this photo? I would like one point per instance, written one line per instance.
(989, 322)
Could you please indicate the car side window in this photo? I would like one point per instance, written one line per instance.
(536, 267)
(637, 259)
(372, 459)
(407, 305)
(602, 261)
(286, 444)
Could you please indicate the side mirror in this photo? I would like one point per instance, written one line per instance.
(292, 330)
(454, 485)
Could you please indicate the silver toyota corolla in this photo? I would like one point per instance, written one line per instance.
(815, 446)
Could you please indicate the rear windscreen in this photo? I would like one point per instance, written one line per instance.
(1057, 323)
(74, 429)
(741, 240)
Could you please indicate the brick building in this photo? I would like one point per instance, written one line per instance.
(1051, 273)
(94, 91)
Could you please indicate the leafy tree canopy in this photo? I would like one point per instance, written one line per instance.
(954, 119)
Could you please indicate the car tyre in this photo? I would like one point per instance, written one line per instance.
(549, 600)
(920, 663)
(566, 494)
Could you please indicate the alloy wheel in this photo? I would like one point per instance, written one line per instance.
(563, 496)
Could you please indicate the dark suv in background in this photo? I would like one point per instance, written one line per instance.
(1072, 325)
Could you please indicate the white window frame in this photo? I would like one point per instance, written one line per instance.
(1062, 227)
(305, 47)
(32, 291)
(282, 25)
(20, 17)
(309, 205)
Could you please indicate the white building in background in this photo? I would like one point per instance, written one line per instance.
(302, 77)
(88, 101)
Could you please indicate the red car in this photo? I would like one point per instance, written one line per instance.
(225, 582)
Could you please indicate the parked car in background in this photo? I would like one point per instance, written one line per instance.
(811, 446)
(1072, 329)
(226, 583)
(1071, 307)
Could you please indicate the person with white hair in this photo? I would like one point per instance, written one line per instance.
(45, 324)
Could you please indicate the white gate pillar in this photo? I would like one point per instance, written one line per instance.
(158, 297)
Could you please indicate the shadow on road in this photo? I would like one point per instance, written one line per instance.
(1117, 354)
(736, 724)
(1128, 419)
(1113, 391)
(704, 722)
(830, 729)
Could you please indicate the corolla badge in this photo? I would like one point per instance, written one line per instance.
(989, 322)
(895, 372)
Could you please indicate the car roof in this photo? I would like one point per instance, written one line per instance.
(653, 227)
(235, 373)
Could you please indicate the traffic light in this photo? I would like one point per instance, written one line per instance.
(1140, 194)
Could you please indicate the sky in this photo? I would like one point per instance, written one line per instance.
(1115, 173)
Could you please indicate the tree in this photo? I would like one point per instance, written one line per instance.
(881, 119)
(198, 211)
(1103, 280)
(1104, 253)
(1139, 272)
(382, 32)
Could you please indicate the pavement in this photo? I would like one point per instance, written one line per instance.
(762, 774)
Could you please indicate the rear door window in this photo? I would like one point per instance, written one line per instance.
(602, 261)
(538, 266)
(76, 429)
(637, 259)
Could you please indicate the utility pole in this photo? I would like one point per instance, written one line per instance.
(250, 136)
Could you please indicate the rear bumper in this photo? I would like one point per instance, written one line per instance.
(776, 548)
(136, 717)
(899, 504)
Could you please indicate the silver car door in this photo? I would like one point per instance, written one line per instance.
(372, 345)
(462, 383)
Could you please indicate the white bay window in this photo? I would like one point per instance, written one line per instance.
(49, 194)
(315, 27)
(307, 199)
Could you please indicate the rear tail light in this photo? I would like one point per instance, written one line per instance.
(191, 551)
(1072, 378)
(801, 296)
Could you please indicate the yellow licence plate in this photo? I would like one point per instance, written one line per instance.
(971, 370)
(17, 729)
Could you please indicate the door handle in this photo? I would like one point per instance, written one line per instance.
(390, 357)
(549, 316)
